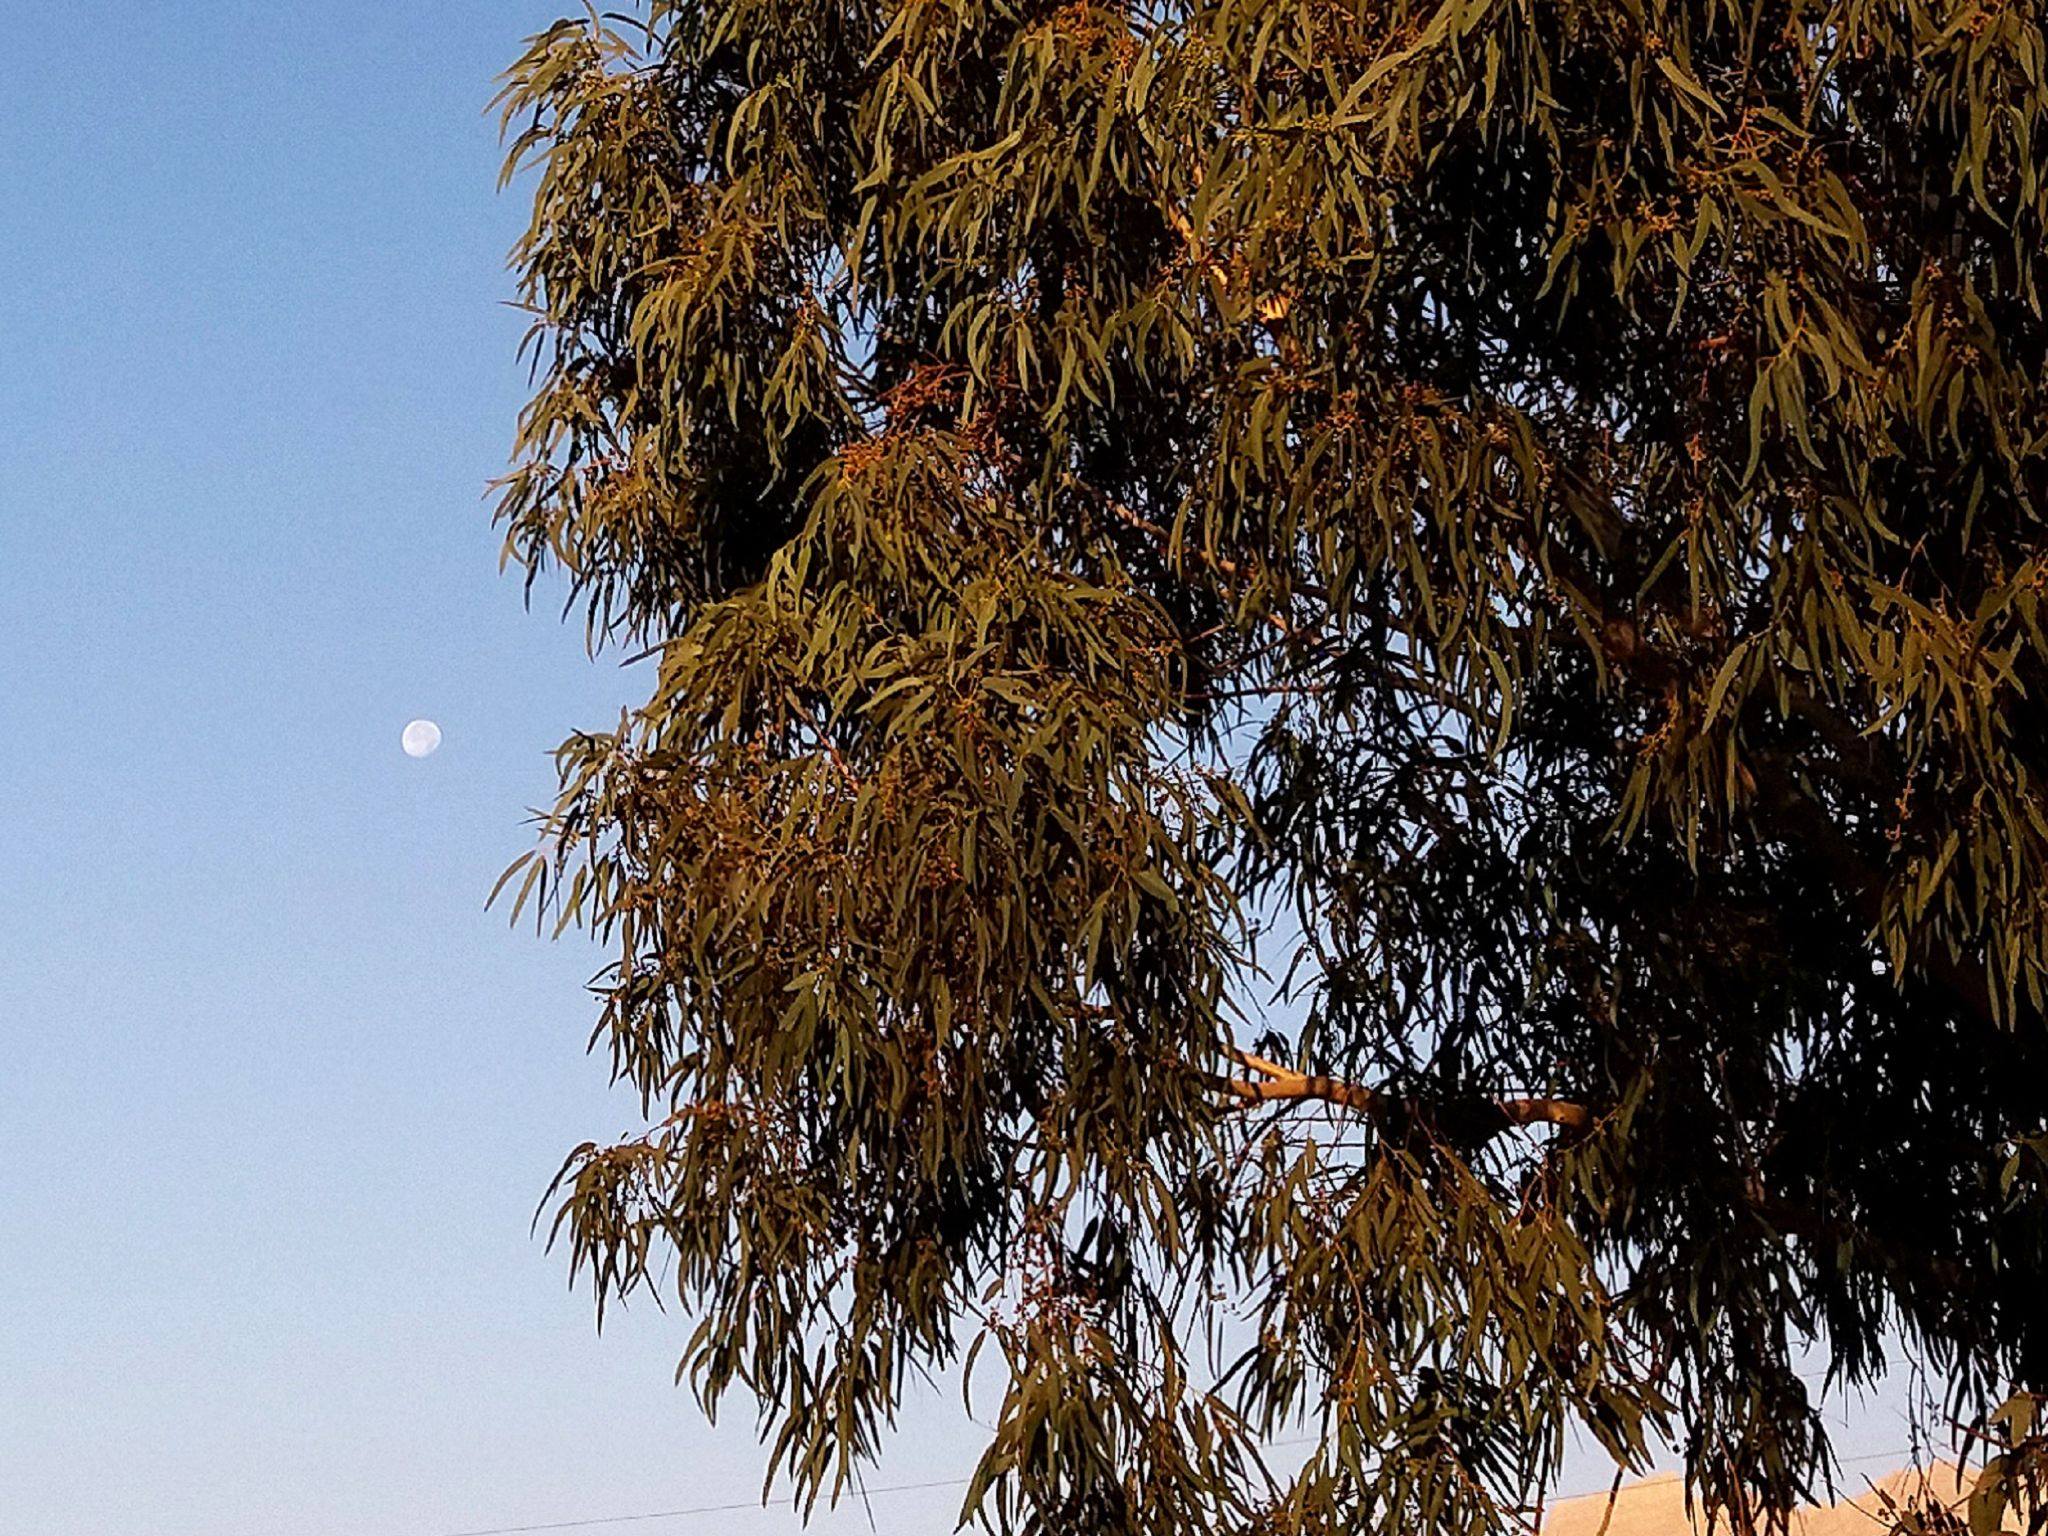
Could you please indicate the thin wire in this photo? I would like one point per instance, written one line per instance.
(942, 1482)
(743, 1504)
(673, 1514)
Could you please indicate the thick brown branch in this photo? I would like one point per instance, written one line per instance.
(1481, 1118)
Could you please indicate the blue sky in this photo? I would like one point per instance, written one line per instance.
(279, 1096)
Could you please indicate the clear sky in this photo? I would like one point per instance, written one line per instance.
(278, 1096)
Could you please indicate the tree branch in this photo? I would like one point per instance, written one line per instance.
(1486, 1117)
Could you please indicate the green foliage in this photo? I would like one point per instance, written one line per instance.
(1348, 728)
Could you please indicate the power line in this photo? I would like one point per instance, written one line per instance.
(732, 1508)
(695, 1509)
(940, 1482)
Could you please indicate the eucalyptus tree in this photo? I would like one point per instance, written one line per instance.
(1344, 704)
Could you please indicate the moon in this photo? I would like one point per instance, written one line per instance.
(420, 738)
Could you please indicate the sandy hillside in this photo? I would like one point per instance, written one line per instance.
(1656, 1507)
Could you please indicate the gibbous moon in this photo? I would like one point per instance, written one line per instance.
(420, 738)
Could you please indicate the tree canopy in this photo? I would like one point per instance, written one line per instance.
(1340, 765)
